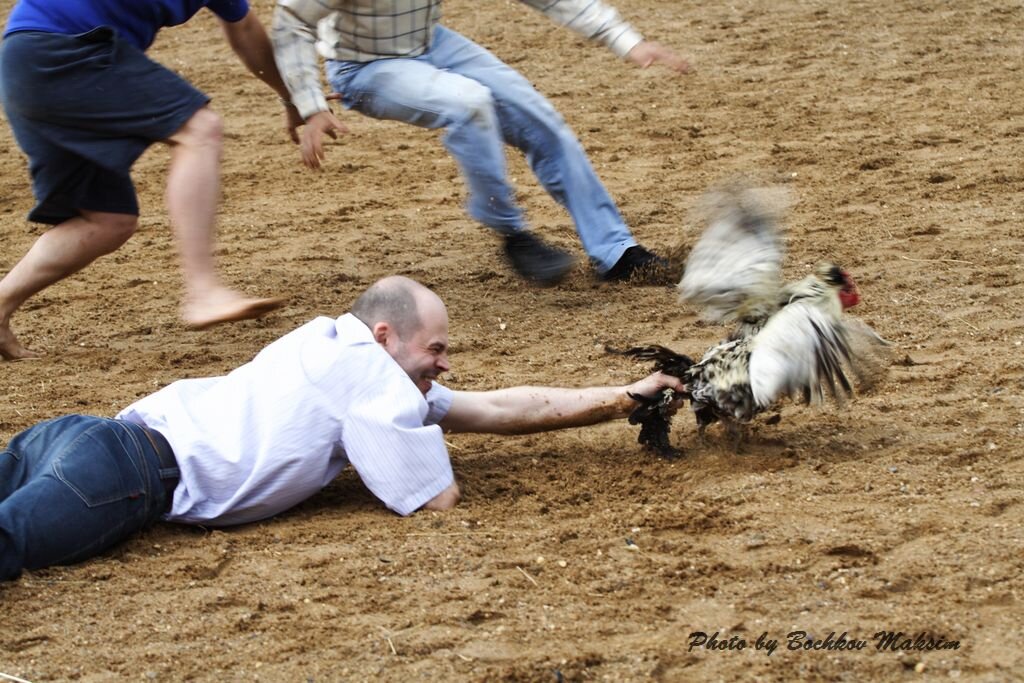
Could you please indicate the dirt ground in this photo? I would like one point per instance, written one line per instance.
(898, 128)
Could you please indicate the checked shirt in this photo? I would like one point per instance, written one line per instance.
(367, 30)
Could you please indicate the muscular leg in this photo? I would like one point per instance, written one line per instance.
(193, 191)
(59, 252)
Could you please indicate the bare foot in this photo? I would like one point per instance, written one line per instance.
(11, 348)
(225, 306)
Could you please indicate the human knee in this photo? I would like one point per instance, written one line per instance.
(535, 127)
(478, 103)
(205, 128)
(114, 228)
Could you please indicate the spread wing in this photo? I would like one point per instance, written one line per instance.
(734, 270)
(804, 351)
(870, 355)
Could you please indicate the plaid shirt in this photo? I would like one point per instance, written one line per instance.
(366, 30)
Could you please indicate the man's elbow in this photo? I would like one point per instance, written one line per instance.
(445, 500)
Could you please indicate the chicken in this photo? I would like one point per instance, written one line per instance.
(788, 339)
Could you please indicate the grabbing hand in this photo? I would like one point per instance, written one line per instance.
(652, 385)
(646, 53)
(319, 124)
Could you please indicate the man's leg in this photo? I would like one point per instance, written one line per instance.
(530, 123)
(193, 189)
(80, 485)
(415, 91)
(59, 252)
(193, 192)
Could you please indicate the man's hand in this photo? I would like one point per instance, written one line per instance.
(647, 53)
(445, 500)
(652, 385)
(319, 124)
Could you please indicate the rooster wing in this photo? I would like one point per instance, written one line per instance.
(734, 271)
(804, 351)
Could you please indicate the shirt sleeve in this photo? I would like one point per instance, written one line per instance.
(294, 35)
(439, 402)
(229, 10)
(593, 20)
(402, 460)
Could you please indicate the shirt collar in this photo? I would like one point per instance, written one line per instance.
(350, 327)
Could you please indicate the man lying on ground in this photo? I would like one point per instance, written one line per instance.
(228, 450)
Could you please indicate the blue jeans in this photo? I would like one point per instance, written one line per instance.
(72, 487)
(482, 104)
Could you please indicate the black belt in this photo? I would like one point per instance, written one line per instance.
(169, 472)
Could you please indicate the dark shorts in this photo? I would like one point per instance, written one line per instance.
(84, 108)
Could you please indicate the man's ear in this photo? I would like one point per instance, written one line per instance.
(382, 332)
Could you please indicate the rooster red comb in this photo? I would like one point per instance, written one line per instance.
(849, 296)
(836, 276)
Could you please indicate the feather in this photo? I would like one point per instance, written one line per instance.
(734, 271)
(799, 350)
(654, 413)
(664, 359)
(789, 340)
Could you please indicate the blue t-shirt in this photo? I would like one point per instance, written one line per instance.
(136, 21)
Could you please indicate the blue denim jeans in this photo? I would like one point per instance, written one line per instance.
(482, 104)
(72, 487)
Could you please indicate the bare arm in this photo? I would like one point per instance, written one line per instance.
(523, 410)
(250, 42)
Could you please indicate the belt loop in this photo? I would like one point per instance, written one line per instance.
(164, 454)
(169, 472)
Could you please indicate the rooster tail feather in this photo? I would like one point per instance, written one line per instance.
(665, 360)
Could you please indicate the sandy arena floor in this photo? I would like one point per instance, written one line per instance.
(897, 126)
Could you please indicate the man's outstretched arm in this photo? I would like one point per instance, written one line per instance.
(523, 410)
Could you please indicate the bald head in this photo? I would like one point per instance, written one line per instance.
(398, 301)
(411, 323)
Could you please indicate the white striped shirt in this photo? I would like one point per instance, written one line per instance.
(366, 30)
(276, 430)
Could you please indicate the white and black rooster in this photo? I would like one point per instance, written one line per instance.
(789, 339)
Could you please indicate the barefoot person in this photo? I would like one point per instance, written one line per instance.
(392, 59)
(360, 389)
(84, 102)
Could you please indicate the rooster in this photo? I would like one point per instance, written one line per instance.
(788, 339)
